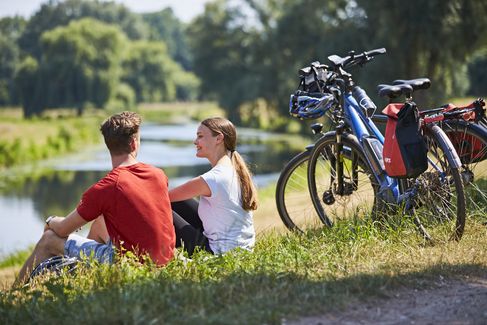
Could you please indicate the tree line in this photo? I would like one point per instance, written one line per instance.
(243, 53)
(79, 53)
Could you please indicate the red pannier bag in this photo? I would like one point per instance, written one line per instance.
(404, 152)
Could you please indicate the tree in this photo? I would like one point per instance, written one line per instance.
(241, 58)
(477, 74)
(10, 30)
(223, 60)
(80, 63)
(149, 70)
(55, 13)
(427, 38)
(27, 81)
(154, 76)
(164, 26)
(9, 59)
(295, 33)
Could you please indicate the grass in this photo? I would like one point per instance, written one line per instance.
(288, 275)
(53, 134)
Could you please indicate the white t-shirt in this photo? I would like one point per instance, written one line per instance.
(227, 225)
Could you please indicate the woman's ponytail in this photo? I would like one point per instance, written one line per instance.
(247, 188)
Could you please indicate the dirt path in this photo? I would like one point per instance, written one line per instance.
(452, 302)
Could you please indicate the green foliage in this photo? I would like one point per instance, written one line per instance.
(165, 27)
(10, 57)
(124, 99)
(236, 53)
(27, 81)
(187, 85)
(240, 61)
(286, 276)
(478, 78)
(57, 13)
(10, 31)
(82, 63)
(149, 70)
(66, 136)
(15, 259)
(435, 41)
(222, 49)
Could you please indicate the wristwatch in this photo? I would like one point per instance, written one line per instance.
(49, 220)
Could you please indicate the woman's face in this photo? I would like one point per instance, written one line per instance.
(206, 143)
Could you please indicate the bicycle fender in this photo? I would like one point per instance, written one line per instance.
(347, 135)
(451, 153)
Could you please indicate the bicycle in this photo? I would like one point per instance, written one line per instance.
(346, 176)
(463, 126)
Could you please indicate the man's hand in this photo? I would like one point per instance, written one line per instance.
(48, 221)
(65, 226)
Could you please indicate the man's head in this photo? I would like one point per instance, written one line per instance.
(121, 132)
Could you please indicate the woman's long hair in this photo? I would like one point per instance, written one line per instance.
(219, 125)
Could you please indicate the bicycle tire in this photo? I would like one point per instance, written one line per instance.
(359, 198)
(470, 142)
(292, 197)
(439, 206)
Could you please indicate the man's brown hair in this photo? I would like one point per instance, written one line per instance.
(119, 130)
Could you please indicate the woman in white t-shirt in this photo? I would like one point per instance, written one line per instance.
(222, 219)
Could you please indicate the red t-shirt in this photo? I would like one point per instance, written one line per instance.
(135, 204)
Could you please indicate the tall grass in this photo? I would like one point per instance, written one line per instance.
(286, 276)
(26, 141)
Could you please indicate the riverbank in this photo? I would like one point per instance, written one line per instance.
(58, 132)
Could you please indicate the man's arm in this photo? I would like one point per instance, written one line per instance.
(64, 226)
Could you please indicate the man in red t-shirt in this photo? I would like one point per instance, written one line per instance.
(130, 207)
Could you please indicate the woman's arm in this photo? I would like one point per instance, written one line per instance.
(195, 187)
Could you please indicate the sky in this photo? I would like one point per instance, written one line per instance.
(183, 9)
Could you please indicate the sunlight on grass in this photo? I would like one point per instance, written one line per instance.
(287, 275)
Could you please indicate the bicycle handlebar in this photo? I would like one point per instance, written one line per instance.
(353, 59)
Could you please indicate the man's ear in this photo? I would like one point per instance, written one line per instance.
(133, 144)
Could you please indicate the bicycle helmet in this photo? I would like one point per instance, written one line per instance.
(303, 106)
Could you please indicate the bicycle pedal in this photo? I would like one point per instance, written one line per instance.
(328, 197)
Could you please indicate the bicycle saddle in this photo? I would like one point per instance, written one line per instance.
(419, 83)
(393, 91)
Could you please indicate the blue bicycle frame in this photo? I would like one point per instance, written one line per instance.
(364, 129)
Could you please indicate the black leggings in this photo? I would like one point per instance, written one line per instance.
(188, 226)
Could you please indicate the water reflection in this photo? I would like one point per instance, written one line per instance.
(26, 203)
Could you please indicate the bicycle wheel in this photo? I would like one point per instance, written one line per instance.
(357, 198)
(292, 197)
(470, 142)
(439, 199)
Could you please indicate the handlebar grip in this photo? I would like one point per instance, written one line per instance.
(382, 50)
(364, 100)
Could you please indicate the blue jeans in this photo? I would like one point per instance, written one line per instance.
(76, 246)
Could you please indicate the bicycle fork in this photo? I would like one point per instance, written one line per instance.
(340, 185)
